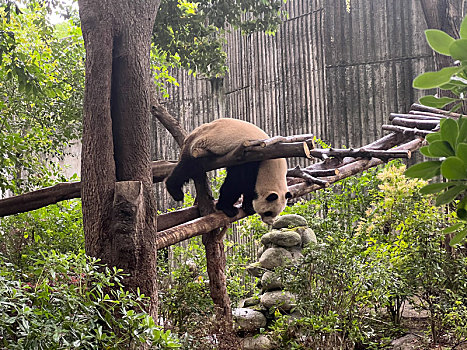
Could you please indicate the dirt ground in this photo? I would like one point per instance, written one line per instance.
(417, 338)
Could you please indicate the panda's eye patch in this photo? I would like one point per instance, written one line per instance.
(272, 197)
(268, 213)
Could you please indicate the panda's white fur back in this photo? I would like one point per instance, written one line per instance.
(218, 138)
(221, 136)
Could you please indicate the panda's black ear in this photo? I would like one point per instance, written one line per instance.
(288, 195)
(272, 197)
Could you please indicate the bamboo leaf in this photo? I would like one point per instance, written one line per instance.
(433, 137)
(425, 170)
(459, 237)
(449, 131)
(430, 80)
(449, 195)
(462, 137)
(435, 188)
(461, 213)
(458, 50)
(426, 151)
(439, 41)
(436, 102)
(453, 228)
(463, 29)
(461, 152)
(440, 149)
(461, 209)
(453, 168)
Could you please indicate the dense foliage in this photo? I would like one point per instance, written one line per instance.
(192, 34)
(380, 249)
(453, 79)
(380, 243)
(69, 301)
(41, 85)
(52, 296)
(42, 72)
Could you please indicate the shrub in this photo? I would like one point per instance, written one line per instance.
(380, 245)
(69, 301)
(56, 227)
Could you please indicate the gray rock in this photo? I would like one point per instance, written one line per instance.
(260, 342)
(281, 299)
(296, 254)
(274, 257)
(295, 316)
(260, 251)
(407, 342)
(255, 269)
(289, 221)
(248, 320)
(251, 301)
(282, 238)
(270, 281)
(307, 235)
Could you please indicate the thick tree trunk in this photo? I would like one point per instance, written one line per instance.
(119, 219)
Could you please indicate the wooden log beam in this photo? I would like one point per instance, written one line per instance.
(281, 139)
(419, 107)
(426, 114)
(304, 174)
(208, 223)
(40, 198)
(161, 169)
(414, 123)
(170, 123)
(174, 218)
(417, 116)
(406, 131)
(297, 171)
(350, 169)
(195, 228)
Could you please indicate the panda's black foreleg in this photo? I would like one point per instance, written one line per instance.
(247, 204)
(249, 176)
(182, 173)
(241, 179)
(230, 192)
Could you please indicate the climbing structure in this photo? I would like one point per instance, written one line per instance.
(407, 132)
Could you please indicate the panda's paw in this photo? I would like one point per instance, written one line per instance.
(230, 211)
(178, 195)
(248, 208)
(175, 191)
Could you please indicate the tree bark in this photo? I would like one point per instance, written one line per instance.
(116, 134)
(215, 255)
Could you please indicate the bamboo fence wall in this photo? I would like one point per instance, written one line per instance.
(331, 71)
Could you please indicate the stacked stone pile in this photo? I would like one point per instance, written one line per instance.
(282, 245)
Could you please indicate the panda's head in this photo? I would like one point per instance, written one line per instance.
(270, 204)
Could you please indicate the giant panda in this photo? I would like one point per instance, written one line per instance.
(263, 184)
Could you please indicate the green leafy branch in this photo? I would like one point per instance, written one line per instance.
(453, 79)
(449, 144)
